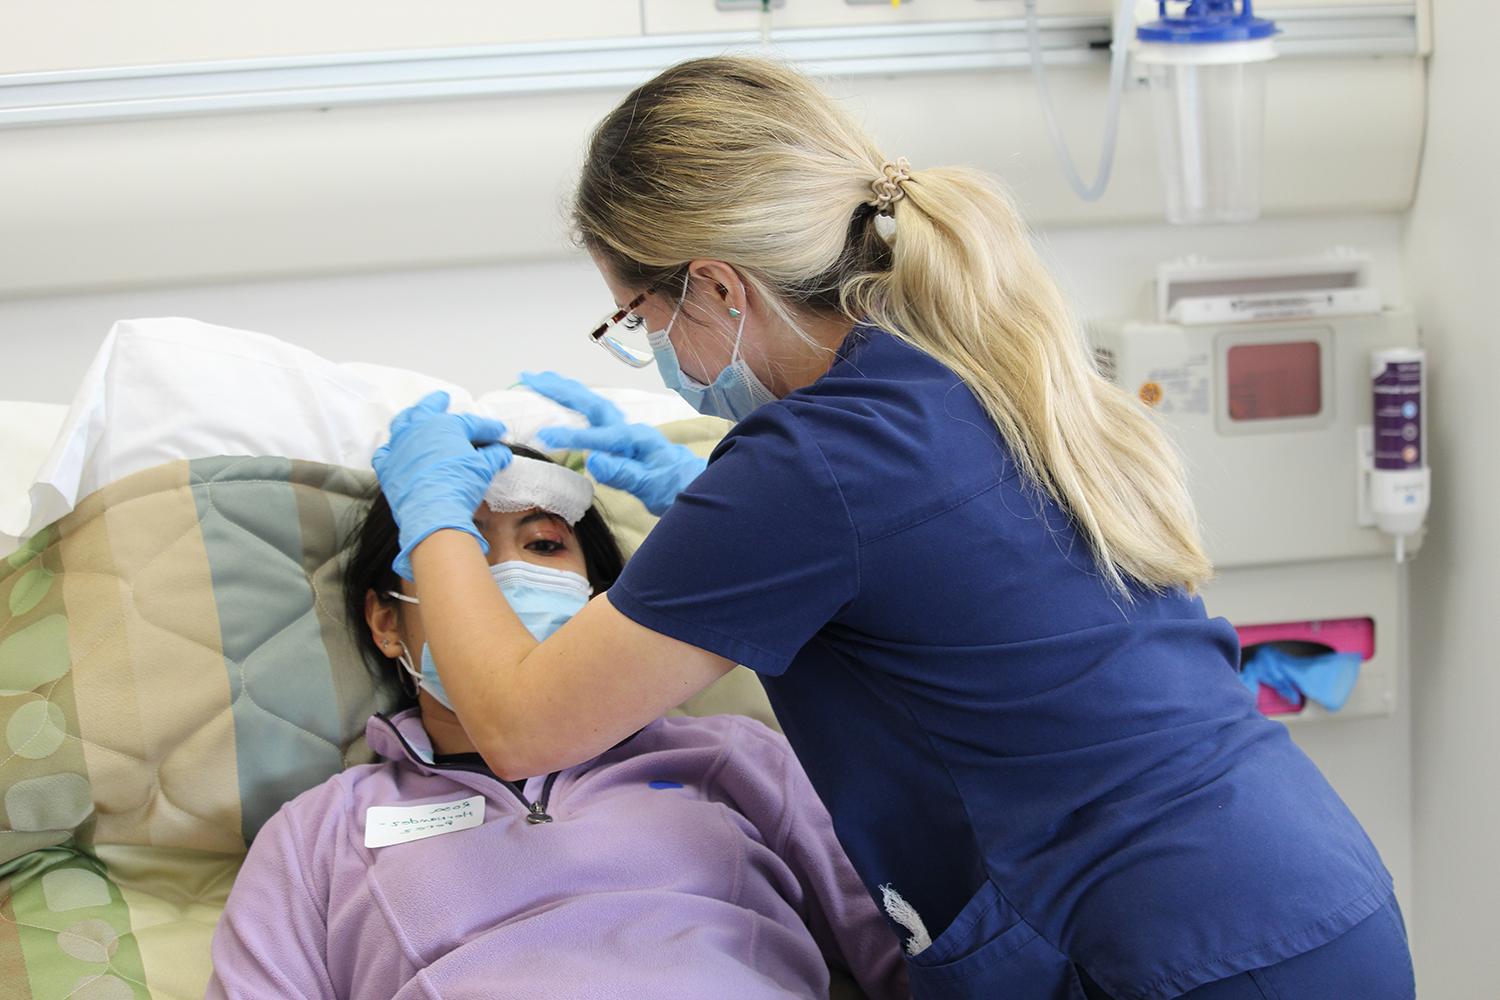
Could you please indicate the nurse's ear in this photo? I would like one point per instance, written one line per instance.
(729, 292)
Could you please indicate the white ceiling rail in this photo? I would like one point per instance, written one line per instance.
(328, 81)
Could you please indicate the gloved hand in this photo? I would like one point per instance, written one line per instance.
(636, 458)
(433, 474)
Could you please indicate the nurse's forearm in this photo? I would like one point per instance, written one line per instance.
(530, 707)
(477, 641)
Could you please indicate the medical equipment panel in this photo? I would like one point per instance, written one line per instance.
(1268, 412)
(1289, 391)
(1268, 416)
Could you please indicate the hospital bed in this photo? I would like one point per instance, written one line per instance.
(174, 662)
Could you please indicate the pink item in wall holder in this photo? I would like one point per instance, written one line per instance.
(1341, 635)
(1270, 702)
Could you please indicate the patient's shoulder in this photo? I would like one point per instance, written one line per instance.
(320, 814)
(720, 730)
(738, 744)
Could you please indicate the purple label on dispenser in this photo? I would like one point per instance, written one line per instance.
(1398, 416)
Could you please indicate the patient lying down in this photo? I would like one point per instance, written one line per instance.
(692, 860)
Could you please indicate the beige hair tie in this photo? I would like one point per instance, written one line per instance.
(887, 187)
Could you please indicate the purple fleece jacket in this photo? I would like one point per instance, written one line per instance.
(691, 861)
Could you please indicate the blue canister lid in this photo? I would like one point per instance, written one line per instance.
(1206, 22)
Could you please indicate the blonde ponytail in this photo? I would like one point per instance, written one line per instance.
(746, 161)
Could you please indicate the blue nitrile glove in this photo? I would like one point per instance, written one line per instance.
(636, 458)
(435, 469)
(1327, 679)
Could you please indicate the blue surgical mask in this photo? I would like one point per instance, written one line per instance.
(542, 597)
(734, 395)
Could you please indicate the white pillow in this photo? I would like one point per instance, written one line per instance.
(27, 431)
(523, 411)
(165, 389)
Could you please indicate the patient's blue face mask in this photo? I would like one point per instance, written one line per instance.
(734, 395)
(542, 597)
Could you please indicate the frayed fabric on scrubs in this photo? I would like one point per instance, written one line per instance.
(1010, 958)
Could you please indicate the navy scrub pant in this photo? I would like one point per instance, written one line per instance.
(1369, 961)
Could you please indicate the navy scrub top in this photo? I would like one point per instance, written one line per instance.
(1047, 773)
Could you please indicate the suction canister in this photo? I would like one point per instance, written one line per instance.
(1206, 67)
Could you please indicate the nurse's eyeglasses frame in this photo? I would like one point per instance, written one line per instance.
(623, 318)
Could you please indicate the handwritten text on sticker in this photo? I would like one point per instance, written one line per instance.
(386, 825)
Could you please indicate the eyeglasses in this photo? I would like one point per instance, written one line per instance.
(623, 319)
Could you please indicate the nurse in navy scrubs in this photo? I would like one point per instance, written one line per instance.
(962, 563)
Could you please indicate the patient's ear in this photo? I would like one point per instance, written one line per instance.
(384, 624)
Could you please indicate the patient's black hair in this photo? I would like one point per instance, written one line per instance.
(374, 544)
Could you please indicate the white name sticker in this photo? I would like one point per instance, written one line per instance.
(387, 825)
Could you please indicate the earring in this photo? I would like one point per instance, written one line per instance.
(734, 313)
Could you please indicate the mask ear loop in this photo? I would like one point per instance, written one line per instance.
(686, 277)
(735, 357)
(739, 331)
(409, 672)
(739, 338)
(666, 334)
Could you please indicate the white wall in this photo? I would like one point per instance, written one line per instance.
(444, 183)
(1452, 262)
(477, 326)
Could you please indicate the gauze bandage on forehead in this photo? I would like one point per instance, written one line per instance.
(528, 482)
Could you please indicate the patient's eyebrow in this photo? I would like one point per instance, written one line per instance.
(542, 515)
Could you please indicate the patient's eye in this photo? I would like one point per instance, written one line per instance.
(543, 533)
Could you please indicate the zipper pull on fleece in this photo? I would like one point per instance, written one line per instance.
(536, 813)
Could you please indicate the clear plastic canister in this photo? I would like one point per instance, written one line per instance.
(1209, 109)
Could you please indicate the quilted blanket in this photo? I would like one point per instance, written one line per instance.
(175, 665)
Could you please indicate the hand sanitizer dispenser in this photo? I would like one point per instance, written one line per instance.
(1399, 478)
